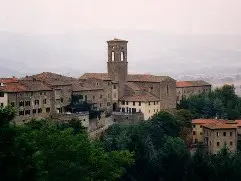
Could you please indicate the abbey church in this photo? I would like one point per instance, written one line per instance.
(130, 93)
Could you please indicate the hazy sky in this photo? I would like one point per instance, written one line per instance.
(165, 16)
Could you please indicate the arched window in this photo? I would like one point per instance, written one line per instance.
(113, 56)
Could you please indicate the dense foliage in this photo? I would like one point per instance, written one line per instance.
(221, 103)
(161, 153)
(41, 150)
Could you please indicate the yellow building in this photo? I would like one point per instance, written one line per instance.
(197, 128)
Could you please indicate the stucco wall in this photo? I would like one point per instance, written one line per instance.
(4, 100)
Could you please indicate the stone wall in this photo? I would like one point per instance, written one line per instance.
(168, 94)
(125, 118)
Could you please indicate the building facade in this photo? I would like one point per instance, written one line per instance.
(186, 89)
(216, 136)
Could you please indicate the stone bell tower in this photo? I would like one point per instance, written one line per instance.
(117, 62)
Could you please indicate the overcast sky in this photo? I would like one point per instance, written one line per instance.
(165, 16)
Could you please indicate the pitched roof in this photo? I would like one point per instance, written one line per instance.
(34, 85)
(85, 86)
(220, 126)
(130, 77)
(51, 78)
(13, 87)
(8, 80)
(140, 96)
(207, 121)
(192, 83)
(100, 76)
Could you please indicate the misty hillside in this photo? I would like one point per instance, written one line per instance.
(148, 52)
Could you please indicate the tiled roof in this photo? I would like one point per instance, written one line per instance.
(24, 85)
(13, 87)
(192, 83)
(238, 122)
(140, 97)
(130, 77)
(86, 86)
(207, 121)
(34, 85)
(100, 76)
(8, 80)
(51, 78)
(220, 126)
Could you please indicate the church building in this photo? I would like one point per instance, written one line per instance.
(132, 93)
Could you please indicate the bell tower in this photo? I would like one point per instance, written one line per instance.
(117, 62)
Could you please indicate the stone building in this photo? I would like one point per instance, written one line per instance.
(31, 99)
(153, 92)
(217, 135)
(185, 89)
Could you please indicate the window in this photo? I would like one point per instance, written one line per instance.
(154, 103)
(139, 110)
(217, 134)
(114, 87)
(108, 103)
(12, 104)
(149, 111)
(84, 120)
(40, 110)
(123, 102)
(201, 133)
(100, 96)
(139, 103)
(114, 95)
(100, 105)
(45, 93)
(112, 56)
(93, 97)
(194, 132)
(167, 89)
(201, 126)
(21, 113)
(21, 103)
(149, 103)
(1, 104)
(133, 110)
(218, 144)
(27, 112)
(1, 94)
(48, 109)
(157, 110)
(193, 126)
(34, 111)
(97, 83)
(61, 99)
(231, 133)
(134, 103)
(108, 95)
(45, 101)
(127, 102)
(40, 93)
(36, 102)
(27, 103)
(108, 83)
(154, 110)
(231, 143)
(122, 109)
(122, 56)
(224, 133)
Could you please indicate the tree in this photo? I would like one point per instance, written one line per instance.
(63, 154)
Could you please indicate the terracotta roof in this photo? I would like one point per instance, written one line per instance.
(130, 78)
(192, 83)
(238, 122)
(117, 40)
(220, 126)
(133, 86)
(8, 80)
(207, 121)
(13, 87)
(51, 78)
